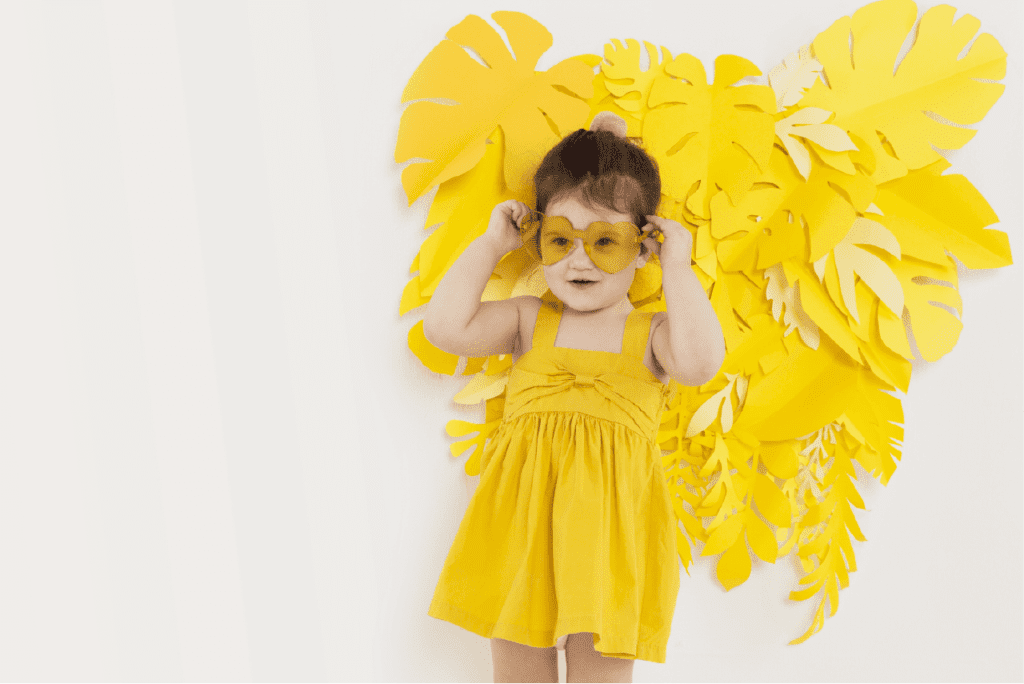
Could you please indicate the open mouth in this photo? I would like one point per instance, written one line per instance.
(582, 282)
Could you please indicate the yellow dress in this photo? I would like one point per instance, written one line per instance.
(571, 528)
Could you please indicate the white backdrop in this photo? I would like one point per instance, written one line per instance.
(218, 458)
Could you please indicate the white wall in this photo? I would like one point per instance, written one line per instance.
(218, 458)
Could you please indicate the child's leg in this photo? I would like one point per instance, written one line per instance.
(518, 663)
(584, 663)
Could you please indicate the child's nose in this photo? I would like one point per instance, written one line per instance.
(578, 256)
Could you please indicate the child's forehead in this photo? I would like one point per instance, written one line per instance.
(582, 213)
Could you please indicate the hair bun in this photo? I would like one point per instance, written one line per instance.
(608, 121)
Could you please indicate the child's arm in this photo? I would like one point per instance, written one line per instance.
(689, 344)
(455, 319)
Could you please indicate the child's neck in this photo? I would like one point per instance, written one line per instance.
(617, 310)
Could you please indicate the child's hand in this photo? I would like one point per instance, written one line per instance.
(503, 229)
(678, 242)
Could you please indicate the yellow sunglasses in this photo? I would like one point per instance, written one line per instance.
(611, 246)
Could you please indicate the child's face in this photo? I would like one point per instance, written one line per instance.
(602, 289)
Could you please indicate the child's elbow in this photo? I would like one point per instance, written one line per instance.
(705, 373)
(697, 375)
(435, 331)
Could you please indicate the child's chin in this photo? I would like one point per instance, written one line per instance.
(582, 299)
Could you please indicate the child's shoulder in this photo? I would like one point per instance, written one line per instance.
(529, 310)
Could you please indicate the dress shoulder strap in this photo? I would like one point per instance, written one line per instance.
(548, 316)
(638, 329)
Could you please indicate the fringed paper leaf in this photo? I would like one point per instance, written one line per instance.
(787, 298)
(790, 79)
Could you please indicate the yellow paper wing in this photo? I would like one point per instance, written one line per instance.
(533, 108)
(889, 112)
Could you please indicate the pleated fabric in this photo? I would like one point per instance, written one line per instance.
(571, 528)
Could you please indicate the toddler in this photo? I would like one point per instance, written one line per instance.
(570, 534)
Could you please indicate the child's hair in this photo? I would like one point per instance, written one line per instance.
(607, 171)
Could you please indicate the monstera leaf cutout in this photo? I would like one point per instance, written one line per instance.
(890, 112)
(709, 136)
(535, 109)
(625, 79)
(782, 215)
(460, 210)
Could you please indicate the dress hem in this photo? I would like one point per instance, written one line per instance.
(541, 638)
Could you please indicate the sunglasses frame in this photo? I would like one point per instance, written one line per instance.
(534, 249)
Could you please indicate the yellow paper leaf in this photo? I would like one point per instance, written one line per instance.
(810, 389)
(432, 357)
(509, 274)
(877, 416)
(481, 388)
(780, 294)
(461, 210)
(733, 567)
(931, 214)
(763, 339)
(460, 428)
(771, 502)
(411, 297)
(783, 215)
(851, 259)
(890, 111)
(623, 76)
(797, 72)
(759, 536)
(821, 308)
(724, 536)
(889, 366)
(722, 304)
(780, 459)
(711, 135)
(684, 550)
(535, 109)
(808, 123)
(935, 307)
(721, 401)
